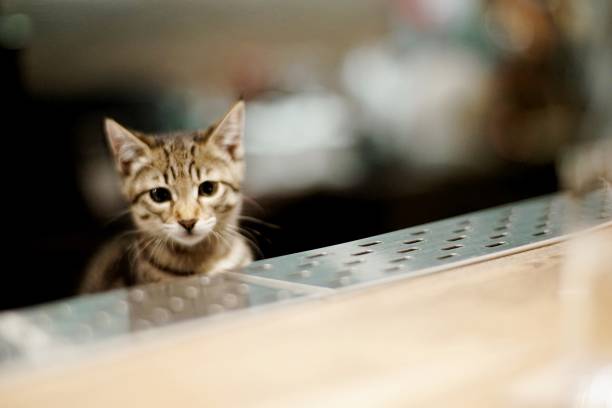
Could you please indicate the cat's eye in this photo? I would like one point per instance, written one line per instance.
(208, 188)
(160, 194)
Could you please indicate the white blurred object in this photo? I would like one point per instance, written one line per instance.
(299, 142)
(587, 165)
(595, 390)
(426, 103)
(297, 123)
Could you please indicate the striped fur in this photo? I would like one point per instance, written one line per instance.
(161, 247)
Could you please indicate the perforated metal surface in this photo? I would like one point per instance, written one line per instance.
(35, 332)
(437, 245)
(40, 331)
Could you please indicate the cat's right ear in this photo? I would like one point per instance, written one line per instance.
(129, 151)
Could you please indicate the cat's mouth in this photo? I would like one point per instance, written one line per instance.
(193, 236)
(188, 238)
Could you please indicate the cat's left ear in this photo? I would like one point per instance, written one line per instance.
(229, 132)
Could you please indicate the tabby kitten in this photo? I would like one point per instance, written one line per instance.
(184, 190)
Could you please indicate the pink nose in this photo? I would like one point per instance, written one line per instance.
(188, 224)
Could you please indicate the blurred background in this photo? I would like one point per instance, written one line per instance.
(363, 116)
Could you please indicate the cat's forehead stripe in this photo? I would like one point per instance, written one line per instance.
(190, 169)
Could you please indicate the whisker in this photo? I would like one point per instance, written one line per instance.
(251, 200)
(117, 216)
(235, 231)
(258, 221)
(254, 231)
(221, 239)
(246, 232)
(128, 232)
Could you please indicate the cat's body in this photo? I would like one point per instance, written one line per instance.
(184, 191)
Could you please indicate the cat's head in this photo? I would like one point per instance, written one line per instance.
(183, 186)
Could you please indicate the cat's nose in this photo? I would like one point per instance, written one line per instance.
(188, 224)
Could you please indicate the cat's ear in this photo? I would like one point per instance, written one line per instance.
(228, 134)
(129, 150)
